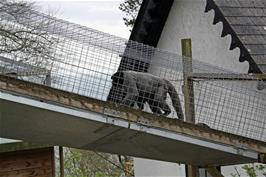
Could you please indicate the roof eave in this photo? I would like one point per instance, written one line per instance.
(150, 21)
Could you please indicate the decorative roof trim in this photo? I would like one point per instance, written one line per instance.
(236, 42)
(149, 25)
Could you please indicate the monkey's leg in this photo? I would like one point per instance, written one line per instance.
(141, 101)
(160, 97)
(149, 98)
(156, 110)
(165, 107)
(131, 96)
(154, 106)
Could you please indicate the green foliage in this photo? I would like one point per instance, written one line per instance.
(252, 170)
(130, 8)
(90, 164)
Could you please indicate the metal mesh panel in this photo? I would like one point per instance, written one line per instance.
(83, 61)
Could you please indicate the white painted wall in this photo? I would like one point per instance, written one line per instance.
(187, 19)
(152, 168)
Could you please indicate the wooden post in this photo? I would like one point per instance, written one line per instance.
(191, 171)
(188, 82)
(61, 161)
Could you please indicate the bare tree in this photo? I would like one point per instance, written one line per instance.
(131, 9)
(21, 36)
(89, 163)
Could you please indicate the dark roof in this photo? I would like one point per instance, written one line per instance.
(244, 20)
(150, 21)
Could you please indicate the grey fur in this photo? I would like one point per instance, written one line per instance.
(139, 87)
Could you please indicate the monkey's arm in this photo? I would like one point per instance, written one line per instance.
(130, 89)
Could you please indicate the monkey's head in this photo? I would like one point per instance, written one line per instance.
(117, 94)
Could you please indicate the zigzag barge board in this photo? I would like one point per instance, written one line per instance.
(41, 114)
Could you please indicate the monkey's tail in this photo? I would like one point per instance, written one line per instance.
(175, 100)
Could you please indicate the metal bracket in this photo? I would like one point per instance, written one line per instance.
(144, 124)
(240, 149)
(110, 120)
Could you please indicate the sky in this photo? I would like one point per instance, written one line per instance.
(102, 15)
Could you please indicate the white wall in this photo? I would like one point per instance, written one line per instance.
(187, 19)
(152, 168)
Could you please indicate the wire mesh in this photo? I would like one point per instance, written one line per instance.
(102, 66)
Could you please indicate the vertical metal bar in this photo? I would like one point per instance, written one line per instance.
(48, 81)
(61, 161)
(188, 82)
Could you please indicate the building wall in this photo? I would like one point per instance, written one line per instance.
(145, 168)
(187, 19)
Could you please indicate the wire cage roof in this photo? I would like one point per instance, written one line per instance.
(83, 60)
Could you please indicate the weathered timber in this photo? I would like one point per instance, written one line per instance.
(37, 163)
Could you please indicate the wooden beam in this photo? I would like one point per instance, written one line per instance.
(192, 171)
(188, 82)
